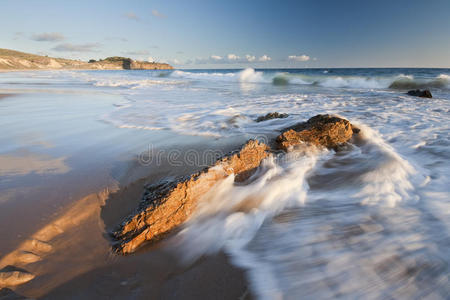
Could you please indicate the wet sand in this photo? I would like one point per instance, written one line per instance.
(80, 263)
(4, 95)
(68, 249)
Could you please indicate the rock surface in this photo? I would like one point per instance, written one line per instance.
(322, 130)
(12, 276)
(420, 93)
(169, 204)
(166, 205)
(270, 116)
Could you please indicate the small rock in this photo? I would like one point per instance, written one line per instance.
(40, 246)
(11, 276)
(322, 130)
(419, 93)
(29, 257)
(270, 116)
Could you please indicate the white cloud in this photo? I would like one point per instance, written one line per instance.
(137, 53)
(302, 57)
(68, 47)
(229, 59)
(265, 58)
(157, 14)
(116, 38)
(232, 57)
(250, 58)
(131, 16)
(47, 37)
(18, 35)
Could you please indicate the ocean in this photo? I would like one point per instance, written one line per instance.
(369, 222)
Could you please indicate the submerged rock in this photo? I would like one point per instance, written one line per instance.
(420, 93)
(169, 204)
(270, 116)
(166, 205)
(322, 130)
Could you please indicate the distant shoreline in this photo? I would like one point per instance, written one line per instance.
(11, 60)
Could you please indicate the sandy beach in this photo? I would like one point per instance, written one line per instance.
(80, 253)
(64, 242)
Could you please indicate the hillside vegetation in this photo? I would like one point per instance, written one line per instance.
(16, 60)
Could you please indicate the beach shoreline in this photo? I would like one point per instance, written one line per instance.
(153, 273)
(79, 149)
(65, 244)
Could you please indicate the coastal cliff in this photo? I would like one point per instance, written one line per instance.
(15, 60)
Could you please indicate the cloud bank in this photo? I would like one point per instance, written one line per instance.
(229, 59)
(48, 37)
(157, 14)
(68, 47)
(131, 16)
(138, 52)
(302, 57)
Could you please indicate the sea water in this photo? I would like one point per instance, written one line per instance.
(371, 221)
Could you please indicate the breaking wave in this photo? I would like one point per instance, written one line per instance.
(408, 82)
(246, 75)
(229, 215)
(287, 194)
(398, 82)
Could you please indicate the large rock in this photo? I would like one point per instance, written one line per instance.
(419, 93)
(166, 205)
(322, 130)
(169, 204)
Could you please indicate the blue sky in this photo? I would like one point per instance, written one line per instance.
(229, 34)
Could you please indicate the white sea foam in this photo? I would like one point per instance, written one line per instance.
(246, 75)
(352, 82)
(249, 75)
(229, 215)
(363, 82)
(389, 182)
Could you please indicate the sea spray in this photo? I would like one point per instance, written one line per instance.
(230, 214)
(389, 182)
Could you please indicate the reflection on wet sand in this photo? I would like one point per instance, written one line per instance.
(74, 239)
(25, 162)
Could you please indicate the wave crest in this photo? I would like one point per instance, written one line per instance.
(408, 82)
(401, 82)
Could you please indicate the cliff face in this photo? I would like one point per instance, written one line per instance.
(143, 65)
(15, 60)
(125, 63)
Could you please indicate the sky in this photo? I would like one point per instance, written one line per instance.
(234, 34)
